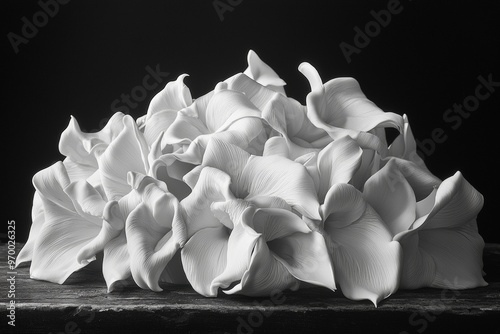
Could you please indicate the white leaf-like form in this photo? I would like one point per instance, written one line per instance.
(264, 176)
(204, 254)
(405, 146)
(305, 256)
(87, 201)
(229, 116)
(288, 118)
(154, 228)
(204, 258)
(240, 246)
(263, 73)
(394, 190)
(276, 145)
(146, 242)
(371, 163)
(173, 178)
(366, 261)
(225, 108)
(230, 211)
(265, 274)
(73, 220)
(340, 108)
(442, 247)
(337, 163)
(212, 186)
(157, 124)
(38, 218)
(280, 177)
(63, 232)
(83, 148)
(341, 161)
(258, 95)
(116, 262)
(173, 97)
(77, 171)
(270, 202)
(184, 129)
(250, 192)
(302, 251)
(112, 225)
(128, 152)
(174, 272)
(65, 228)
(270, 250)
(229, 229)
(150, 245)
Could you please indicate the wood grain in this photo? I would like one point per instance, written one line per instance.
(82, 305)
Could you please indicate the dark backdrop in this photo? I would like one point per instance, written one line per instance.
(85, 54)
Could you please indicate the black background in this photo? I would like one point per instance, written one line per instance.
(425, 60)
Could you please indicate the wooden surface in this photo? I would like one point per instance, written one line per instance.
(82, 305)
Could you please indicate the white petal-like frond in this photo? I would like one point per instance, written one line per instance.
(61, 237)
(390, 194)
(116, 262)
(337, 163)
(212, 186)
(405, 146)
(174, 97)
(265, 274)
(112, 225)
(275, 223)
(38, 219)
(263, 73)
(367, 262)
(204, 257)
(305, 255)
(157, 124)
(347, 107)
(264, 176)
(281, 177)
(227, 158)
(226, 107)
(443, 248)
(457, 254)
(241, 244)
(457, 202)
(340, 108)
(254, 91)
(128, 152)
(143, 236)
(83, 148)
(87, 201)
(288, 118)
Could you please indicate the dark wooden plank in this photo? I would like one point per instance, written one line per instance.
(83, 306)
